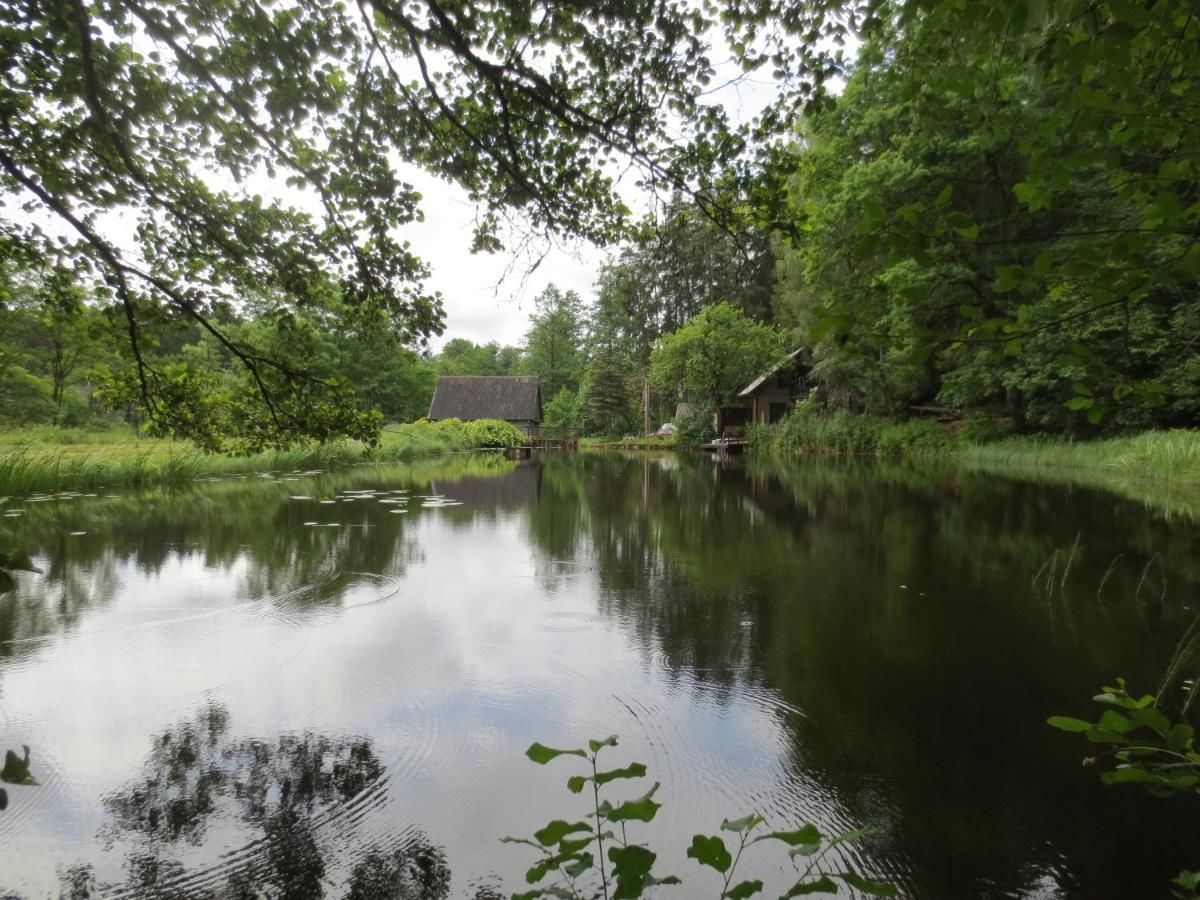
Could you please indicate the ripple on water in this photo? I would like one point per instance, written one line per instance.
(27, 803)
(566, 621)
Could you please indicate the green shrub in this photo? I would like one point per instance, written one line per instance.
(913, 436)
(494, 433)
(696, 426)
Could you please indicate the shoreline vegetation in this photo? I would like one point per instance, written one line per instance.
(49, 458)
(1159, 468)
(1169, 455)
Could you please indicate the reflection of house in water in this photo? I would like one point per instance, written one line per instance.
(767, 399)
(513, 490)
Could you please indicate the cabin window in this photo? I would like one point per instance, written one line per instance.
(776, 412)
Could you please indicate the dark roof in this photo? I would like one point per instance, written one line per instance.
(515, 398)
(757, 383)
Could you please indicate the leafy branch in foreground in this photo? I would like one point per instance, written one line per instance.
(1148, 748)
(565, 848)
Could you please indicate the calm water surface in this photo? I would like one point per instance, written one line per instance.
(324, 685)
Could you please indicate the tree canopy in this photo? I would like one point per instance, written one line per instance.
(715, 354)
(157, 151)
(1002, 207)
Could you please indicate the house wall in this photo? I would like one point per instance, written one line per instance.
(765, 396)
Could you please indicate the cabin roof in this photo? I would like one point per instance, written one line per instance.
(758, 382)
(516, 398)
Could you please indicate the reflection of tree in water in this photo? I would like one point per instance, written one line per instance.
(290, 795)
(254, 526)
(893, 606)
(35, 605)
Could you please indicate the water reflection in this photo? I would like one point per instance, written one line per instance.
(842, 643)
(295, 803)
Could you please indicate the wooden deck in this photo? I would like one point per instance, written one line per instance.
(535, 444)
(728, 446)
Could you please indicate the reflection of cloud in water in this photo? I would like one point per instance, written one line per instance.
(729, 626)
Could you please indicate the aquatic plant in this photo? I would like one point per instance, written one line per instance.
(625, 869)
(1148, 749)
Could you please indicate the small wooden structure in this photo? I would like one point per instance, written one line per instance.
(513, 398)
(772, 395)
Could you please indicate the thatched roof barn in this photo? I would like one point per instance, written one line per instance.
(516, 399)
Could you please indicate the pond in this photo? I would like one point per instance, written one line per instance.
(324, 684)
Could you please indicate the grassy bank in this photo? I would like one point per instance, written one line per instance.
(1163, 463)
(57, 459)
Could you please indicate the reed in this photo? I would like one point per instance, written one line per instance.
(1172, 456)
(52, 459)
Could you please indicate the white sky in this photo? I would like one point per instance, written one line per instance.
(481, 303)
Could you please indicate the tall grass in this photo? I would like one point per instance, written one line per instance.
(844, 434)
(38, 460)
(1172, 456)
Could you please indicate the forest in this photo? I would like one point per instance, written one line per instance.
(995, 214)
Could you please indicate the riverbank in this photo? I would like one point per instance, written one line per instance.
(1172, 456)
(1161, 468)
(58, 459)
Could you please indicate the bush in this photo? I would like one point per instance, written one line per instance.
(913, 436)
(494, 433)
(696, 426)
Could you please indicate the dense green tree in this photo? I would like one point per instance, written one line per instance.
(460, 356)
(609, 407)
(131, 131)
(131, 128)
(562, 415)
(714, 355)
(555, 342)
(674, 266)
(1002, 209)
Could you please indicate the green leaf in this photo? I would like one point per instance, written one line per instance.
(711, 852)
(1152, 718)
(874, 888)
(746, 823)
(584, 862)
(1066, 723)
(633, 770)
(541, 754)
(822, 885)
(964, 225)
(1130, 775)
(642, 809)
(1080, 403)
(806, 834)
(558, 829)
(743, 889)
(943, 198)
(631, 866)
(610, 741)
(1043, 263)
(576, 783)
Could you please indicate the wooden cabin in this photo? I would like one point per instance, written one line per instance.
(771, 396)
(513, 398)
